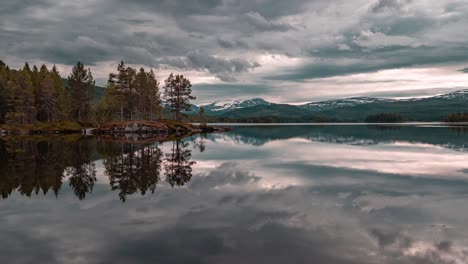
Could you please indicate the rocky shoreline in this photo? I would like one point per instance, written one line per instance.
(160, 128)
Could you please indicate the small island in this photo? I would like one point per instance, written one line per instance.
(39, 101)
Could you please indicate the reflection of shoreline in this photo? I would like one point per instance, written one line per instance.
(449, 137)
(38, 166)
(143, 138)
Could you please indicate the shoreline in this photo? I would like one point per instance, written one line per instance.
(159, 128)
(166, 127)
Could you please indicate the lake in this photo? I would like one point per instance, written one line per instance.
(256, 194)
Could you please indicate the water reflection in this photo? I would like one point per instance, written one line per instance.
(178, 166)
(452, 137)
(133, 168)
(41, 164)
(33, 167)
(81, 168)
(255, 195)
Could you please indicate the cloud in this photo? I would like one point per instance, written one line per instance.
(232, 44)
(262, 24)
(201, 61)
(227, 41)
(369, 39)
(224, 68)
(384, 5)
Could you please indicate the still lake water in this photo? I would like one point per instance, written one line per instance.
(256, 194)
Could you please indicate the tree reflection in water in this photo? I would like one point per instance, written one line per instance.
(31, 167)
(34, 165)
(82, 170)
(135, 169)
(178, 166)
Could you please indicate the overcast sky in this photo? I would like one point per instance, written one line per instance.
(283, 51)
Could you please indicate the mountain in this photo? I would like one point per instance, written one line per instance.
(223, 107)
(99, 89)
(332, 104)
(354, 109)
(424, 109)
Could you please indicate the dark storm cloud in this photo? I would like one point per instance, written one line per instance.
(225, 39)
(382, 59)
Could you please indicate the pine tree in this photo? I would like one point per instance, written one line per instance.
(178, 93)
(27, 68)
(48, 98)
(3, 91)
(20, 101)
(82, 90)
(148, 95)
(63, 100)
(109, 105)
(154, 96)
(124, 90)
(38, 77)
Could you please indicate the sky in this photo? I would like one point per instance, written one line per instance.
(283, 51)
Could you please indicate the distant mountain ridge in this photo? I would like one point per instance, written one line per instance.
(331, 104)
(223, 107)
(354, 109)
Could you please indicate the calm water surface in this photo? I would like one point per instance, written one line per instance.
(273, 194)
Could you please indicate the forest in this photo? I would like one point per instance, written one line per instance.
(38, 95)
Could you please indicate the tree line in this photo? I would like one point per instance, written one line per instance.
(32, 95)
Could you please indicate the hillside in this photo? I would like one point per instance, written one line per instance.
(355, 109)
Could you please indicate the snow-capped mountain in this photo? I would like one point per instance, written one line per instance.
(222, 107)
(352, 109)
(332, 104)
(462, 94)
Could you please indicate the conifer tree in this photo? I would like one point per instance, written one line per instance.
(148, 95)
(154, 96)
(38, 77)
(178, 93)
(109, 105)
(27, 68)
(63, 100)
(124, 90)
(48, 98)
(82, 90)
(20, 100)
(3, 91)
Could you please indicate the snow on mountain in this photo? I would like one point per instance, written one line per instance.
(230, 105)
(331, 104)
(454, 95)
(221, 107)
